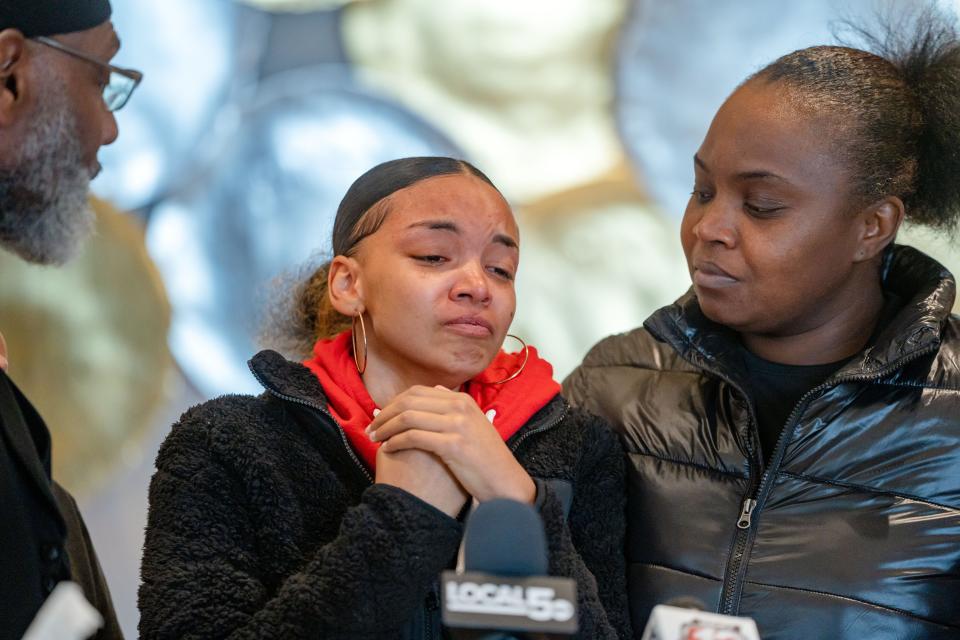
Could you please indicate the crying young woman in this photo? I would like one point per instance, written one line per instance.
(329, 505)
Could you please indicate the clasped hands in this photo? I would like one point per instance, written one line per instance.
(438, 445)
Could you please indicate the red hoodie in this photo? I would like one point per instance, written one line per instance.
(509, 406)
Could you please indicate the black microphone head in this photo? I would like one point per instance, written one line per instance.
(505, 537)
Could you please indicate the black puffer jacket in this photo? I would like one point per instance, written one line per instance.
(855, 528)
(263, 524)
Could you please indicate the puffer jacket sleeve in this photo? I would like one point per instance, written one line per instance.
(576, 387)
(589, 544)
(202, 575)
(596, 387)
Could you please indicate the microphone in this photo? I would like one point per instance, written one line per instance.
(504, 592)
(684, 618)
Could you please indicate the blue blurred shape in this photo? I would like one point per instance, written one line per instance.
(186, 49)
(265, 206)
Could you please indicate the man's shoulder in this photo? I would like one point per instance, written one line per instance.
(85, 567)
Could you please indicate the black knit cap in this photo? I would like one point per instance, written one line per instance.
(50, 17)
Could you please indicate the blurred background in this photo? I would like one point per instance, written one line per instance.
(254, 118)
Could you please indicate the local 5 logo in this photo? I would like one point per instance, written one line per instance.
(533, 602)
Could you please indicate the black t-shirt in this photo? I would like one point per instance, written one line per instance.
(776, 389)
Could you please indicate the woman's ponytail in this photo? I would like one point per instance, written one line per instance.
(300, 313)
(895, 106)
(929, 61)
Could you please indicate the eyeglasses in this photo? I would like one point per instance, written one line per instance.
(121, 84)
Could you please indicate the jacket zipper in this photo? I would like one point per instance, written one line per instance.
(755, 499)
(325, 413)
(533, 432)
(748, 506)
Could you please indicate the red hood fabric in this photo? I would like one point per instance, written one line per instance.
(509, 405)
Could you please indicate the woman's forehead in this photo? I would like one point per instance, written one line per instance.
(760, 128)
(464, 200)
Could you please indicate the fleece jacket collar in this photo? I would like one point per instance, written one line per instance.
(293, 382)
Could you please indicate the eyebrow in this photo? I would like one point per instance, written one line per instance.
(743, 175)
(447, 225)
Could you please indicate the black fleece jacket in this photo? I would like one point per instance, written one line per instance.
(263, 524)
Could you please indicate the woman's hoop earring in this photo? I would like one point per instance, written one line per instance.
(353, 340)
(526, 356)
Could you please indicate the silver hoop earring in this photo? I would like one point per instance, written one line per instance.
(353, 341)
(526, 356)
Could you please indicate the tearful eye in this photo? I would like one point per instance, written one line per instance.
(502, 273)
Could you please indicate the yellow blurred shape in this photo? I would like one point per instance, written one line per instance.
(525, 88)
(87, 344)
(296, 6)
(595, 260)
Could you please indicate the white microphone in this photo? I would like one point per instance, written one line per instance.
(688, 621)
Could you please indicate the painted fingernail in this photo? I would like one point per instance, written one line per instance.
(376, 412)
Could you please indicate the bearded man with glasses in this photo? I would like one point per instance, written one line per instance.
(58, 92)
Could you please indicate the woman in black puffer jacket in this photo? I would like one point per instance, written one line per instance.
(793, 422)
(327, 507)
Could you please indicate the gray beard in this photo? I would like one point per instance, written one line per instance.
(44, 213)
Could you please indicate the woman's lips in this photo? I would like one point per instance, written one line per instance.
(470, 326)
(710, 276)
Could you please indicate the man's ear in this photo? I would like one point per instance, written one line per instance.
(345, 286)
(12, 62)
(879, 224)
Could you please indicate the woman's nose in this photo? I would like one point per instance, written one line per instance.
(471, 284)
(716, 224)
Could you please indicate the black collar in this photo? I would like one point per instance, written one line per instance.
(27, 436)
(285, 378)
(294, 382)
